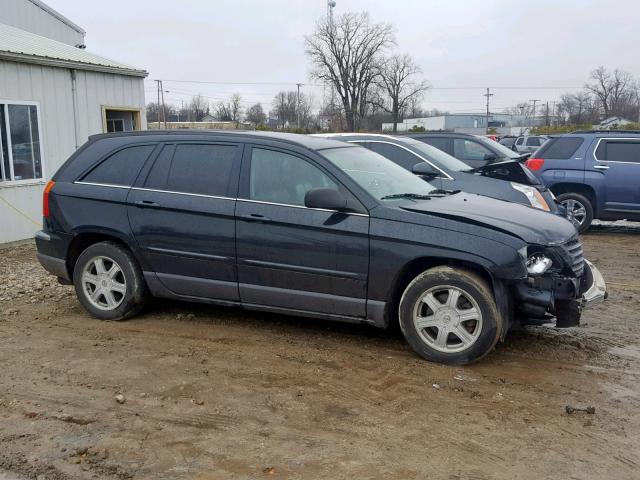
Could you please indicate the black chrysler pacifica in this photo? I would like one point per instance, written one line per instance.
(310, 227)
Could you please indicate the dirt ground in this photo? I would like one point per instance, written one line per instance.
(218, 393)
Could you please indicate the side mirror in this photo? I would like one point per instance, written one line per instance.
(326, 198)
(490, 157)
(424, 170)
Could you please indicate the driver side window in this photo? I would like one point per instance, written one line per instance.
(278, 177)
(469, 150)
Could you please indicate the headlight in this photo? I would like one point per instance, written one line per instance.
(533, 195)
(538, 263)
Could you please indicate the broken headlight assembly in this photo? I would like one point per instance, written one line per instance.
(537, 260)
(538, 264)
(533, 195)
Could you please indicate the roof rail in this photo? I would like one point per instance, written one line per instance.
(608, 131)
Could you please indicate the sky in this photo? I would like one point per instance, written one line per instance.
(523, 50)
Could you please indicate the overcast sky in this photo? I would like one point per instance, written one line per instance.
(536, 49)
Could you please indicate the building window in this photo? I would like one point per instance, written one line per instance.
(20, 154)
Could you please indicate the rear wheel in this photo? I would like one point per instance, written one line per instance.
(108, 282)
(450, 316)
(579, 210)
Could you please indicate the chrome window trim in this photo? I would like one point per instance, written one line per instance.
(446, 176)
(301, 206)
(636, 139)
(219, 197)
(95, 184)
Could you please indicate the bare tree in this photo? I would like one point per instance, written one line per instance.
(287, 106)
(345, 53)
(284, 107)
(231, 110)
(614, 90)
(399, 86)
(198, 108)
(255, 114)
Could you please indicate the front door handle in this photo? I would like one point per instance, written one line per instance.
(601, 167)
(147, 203)
(255, 217)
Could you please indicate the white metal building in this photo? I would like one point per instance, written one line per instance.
(53, 95)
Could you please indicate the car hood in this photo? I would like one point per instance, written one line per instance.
(511, 171)
(529, 224)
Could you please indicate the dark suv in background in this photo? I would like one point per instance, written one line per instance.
(305, 226)
(474, 150)
(510, 181)
(594, 174)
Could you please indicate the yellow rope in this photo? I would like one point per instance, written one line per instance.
(20, 212)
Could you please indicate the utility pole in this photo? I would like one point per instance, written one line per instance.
(298, 106)
(533, 115)
(330, 6)
(546, 114)
(488, 95)
(164, 111)
(158, 104)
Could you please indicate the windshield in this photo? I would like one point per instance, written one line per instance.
(504, 151)
(440, 158)
(382, 178)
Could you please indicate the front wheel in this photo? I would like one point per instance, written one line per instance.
(108, 282)
(579, 210)
(449, 316)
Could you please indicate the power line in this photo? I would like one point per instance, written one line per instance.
(293, 83)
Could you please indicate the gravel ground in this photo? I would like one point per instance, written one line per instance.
(198, 392)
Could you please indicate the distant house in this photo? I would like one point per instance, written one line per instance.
(612, 123)
(54, 94)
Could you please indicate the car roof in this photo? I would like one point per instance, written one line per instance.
(606, 133)
(307, 141)
(369, 136)
(437, 134)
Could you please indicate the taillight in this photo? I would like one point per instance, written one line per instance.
(534, 163)
(45, 198)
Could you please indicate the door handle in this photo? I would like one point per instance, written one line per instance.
(146, 203)
(601, 167)
(255, 217)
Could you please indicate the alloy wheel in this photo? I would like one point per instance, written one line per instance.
(103, 283)
(576, 211)
(448, 319)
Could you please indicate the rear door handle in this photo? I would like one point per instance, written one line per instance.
(146, 203)
(255, 217)
(601, 167)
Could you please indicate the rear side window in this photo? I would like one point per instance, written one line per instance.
(619, 151)
(439, 142)
(561, 148)
(396, 154)
(200, 169)
(534, 141)
(121, 168)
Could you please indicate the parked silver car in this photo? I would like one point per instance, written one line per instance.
(529, 143)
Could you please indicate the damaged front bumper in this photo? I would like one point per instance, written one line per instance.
(539, 299)
(596, 288)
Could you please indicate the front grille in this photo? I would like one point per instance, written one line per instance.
(574, 251)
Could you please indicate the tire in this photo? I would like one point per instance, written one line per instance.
(574, 202)
(473, 299)
(111, 273)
